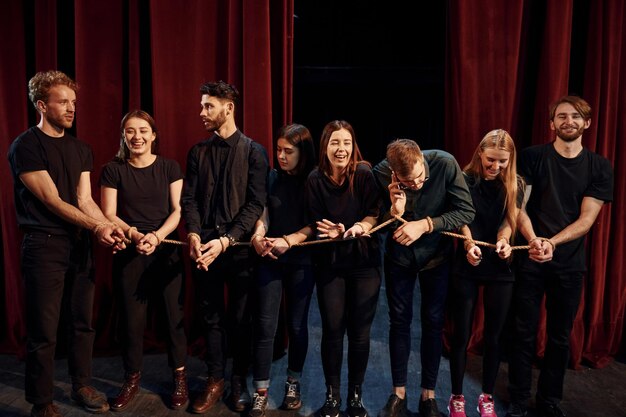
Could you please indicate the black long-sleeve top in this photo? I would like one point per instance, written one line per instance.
(444, 197)
(224, 189)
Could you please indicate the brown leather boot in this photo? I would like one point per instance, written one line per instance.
(129, 389)
(180, 395)
(211, 394)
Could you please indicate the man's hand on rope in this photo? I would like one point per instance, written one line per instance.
(409, 232)
(541, 250)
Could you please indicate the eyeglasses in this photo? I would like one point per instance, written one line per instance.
(415, 182)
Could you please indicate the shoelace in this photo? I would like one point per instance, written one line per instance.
(292, 390)
(259, 402)
(487, 406)
(458, 405)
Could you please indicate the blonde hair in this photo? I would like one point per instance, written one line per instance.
(501, 140)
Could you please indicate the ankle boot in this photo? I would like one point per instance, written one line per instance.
(180, 395)
(129, 389)
(355, 403)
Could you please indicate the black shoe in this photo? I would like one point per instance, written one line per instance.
(239, 395)
(428, 408)
(395, 407)
(516, 410)
(292, 400)
(332, 405)
(355, 404)
(549, 410)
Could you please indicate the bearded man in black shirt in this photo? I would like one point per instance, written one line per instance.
(569, 184)
(223, 196)
(54, 206)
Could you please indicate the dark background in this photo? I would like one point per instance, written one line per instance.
(381, 69)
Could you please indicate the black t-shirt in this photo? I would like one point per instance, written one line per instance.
(65, 159)
(336, 203)
(143, 194)
(488, 199)
(559, 185)
(287, 209)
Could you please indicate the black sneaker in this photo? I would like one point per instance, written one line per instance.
(332, 405)
(395, 407)
(516, 410)
(259, 404)
(550, 410)
(355, 404)
(428, 408)
(292, 400)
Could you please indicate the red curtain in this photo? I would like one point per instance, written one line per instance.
(506, 62)
(136, 54)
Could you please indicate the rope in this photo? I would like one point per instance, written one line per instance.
(476, 242)
(368, 233)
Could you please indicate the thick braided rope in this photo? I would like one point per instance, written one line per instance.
(463, 237)
(369, 232)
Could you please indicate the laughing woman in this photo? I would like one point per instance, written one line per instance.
(141, 192)
(342, 191)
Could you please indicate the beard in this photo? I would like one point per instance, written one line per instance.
(569, 137)
(213, 125)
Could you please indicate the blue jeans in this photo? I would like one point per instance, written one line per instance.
(297, 282)
(400, 285)
(562, 293)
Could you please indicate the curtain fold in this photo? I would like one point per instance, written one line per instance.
(132, 54)
(483, 68)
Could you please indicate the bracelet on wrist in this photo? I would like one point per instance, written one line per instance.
(468, 244)
(129, 232)
(192, 234)
(360, 224)
(431, 225)
(506, 239)
(288, 242)
(99, 226)
(159, 240)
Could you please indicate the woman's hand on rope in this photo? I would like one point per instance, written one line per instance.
(503, 248)
(355, 231)
(278, 246)
(474, 255)
(331, 230)
(261, 245)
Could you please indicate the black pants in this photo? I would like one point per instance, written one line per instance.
(272, 280)
(57, 276)
(562, 293)
(224, 293)
(496, 302)
(156, 278)
(347, 302)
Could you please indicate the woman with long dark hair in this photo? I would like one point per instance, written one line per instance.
(284, 269)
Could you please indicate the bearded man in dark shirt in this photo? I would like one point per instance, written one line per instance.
(223, 196)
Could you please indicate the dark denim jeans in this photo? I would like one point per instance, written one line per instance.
(400, 286)
(272, 280)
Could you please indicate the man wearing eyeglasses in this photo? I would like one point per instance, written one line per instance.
(428, 190)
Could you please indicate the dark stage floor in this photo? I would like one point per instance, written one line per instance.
(588, 393)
